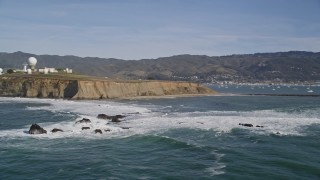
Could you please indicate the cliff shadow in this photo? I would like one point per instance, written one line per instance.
(71, 89)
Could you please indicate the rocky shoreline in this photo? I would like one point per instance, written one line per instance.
(36, 129)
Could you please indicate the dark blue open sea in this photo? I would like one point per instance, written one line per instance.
(172, 138)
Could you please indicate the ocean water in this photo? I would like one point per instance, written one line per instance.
(172, 138)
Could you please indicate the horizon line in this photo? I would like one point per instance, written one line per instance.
(164, 56)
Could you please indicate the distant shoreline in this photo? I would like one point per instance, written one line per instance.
(266, 94)
(302, 95)
(168, 96)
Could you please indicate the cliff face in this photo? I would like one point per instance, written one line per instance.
(113, 89)
(41, 88)
(93, 89)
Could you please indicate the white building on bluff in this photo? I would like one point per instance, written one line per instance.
(69, 71)
(46, 70)
(32, 62)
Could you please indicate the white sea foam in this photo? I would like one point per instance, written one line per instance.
(217, 168)
(142, 120)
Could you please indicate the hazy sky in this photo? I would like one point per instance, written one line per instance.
(135, 29)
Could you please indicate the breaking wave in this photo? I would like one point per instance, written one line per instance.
(141, 119)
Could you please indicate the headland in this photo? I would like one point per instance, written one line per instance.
(72, 86)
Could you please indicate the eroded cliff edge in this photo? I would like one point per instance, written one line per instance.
(93, 88)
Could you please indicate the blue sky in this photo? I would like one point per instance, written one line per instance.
(136, 29)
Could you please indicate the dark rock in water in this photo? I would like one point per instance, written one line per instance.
(259, 126)
(84, 128)
(102, 116)
(107, 130)
(120, 116)
(56, 130)
(115, 119)
(98, 131)
(84, 120)
(134, 113)
(36, 129)
(125, 127)
(247, 125)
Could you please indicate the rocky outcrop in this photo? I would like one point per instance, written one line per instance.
(98, 131)
(250, 125)
(102, 116)
(71, 88)
(84, 120)
(36, 129)
(54, 130)
(115, 118)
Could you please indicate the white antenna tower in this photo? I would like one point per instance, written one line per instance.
(24, 67)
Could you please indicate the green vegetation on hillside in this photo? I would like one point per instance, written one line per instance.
(281, 67)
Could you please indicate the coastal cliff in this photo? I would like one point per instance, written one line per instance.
(91, 88)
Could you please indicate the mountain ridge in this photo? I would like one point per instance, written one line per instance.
(288, 66)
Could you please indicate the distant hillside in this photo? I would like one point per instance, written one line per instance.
(281, 66)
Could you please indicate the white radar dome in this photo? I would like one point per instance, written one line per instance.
(32, 61)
